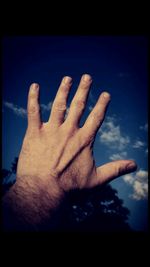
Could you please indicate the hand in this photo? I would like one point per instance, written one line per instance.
(57, 156)
(59, 149)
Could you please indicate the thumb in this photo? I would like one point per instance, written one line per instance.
(112, 170)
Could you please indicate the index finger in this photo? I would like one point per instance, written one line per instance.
(96, 117)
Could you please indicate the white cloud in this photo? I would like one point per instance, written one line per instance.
(140, 190)
(138, 144)
(139, 183)
(46, 107)
(19, 111)
(117, 156)
(144, 127)
(146, 151)
(128, 178)
(111, 136)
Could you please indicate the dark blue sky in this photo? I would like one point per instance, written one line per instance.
(116, 64)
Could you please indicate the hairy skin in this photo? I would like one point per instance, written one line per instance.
(57, 156)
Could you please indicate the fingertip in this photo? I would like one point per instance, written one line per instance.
(34, 87)
(106, 96)
(86, 78)
(67, 80)
(33, 91)
(132, 166)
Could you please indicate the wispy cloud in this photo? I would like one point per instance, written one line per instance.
(128, 178)
(144, 127)
(46, 107)
(117, 156)
(19, 111)
(111, 135)
(139, 183)
(138, 144)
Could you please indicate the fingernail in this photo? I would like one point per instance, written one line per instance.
(35, 86)
(131, 166)
(106, 95)
(86, 77)
(67, 79)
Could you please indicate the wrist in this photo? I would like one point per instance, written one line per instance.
(43, 187)
(33, 202)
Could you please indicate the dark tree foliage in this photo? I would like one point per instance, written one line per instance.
(6, 182)
(97, 209)
(88, 210)
(14, 165)
(5, 174)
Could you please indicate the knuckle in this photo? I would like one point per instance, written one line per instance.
(97, 118)
(80, 104)
(32, 110)
(84, 86)
(118, 169)
(70, 130)
(60, 106)
(32, 95)
(88, 139)
(94, 116)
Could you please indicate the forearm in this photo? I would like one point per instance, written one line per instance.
(31, 204)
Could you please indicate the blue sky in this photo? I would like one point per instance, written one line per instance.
(117, 64)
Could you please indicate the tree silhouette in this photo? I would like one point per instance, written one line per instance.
(14, 165)
(98, 209)
(6, 174)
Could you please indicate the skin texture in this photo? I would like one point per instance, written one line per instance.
(57, 156)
